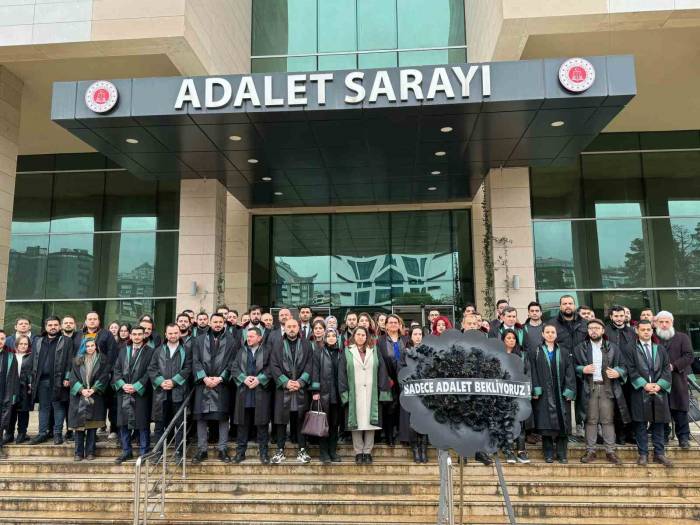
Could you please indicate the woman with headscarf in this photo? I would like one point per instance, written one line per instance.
(510, 342)
(89, 378)
(324, 388)
(391, 346)
(418, 442)
(440, 324)
(331, 323)
(363, 384)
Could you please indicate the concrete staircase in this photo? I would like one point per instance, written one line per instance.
(42, 484)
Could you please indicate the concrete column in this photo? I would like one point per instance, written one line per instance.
(506, 193)
(238, 233)
(10, 108)
(202, 245)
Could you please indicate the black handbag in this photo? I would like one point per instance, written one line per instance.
(315, 422)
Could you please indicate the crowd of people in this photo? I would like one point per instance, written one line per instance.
(254, 378)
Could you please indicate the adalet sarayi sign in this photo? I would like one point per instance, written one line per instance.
(359, 86)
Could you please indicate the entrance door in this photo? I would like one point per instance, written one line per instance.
(409, 313)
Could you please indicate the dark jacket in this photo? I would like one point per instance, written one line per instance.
(9, 388)
(551, 394)
(324, 376)
(162, 367)
(680, 355)
(262, 394)
(104, 340)
(392, 366)
(624, 338)
(212, 403)
(533, 336)
(645, 406)
(612, 355)
(61, 366)
(284, 368)
(570, 334)
(24, 395)
(80, 410)
(496, 332)
(133, 410)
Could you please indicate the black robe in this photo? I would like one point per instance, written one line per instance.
(133, 410)
(263, 392)
(324, 376)
(392, 367)
(583, 356)
(680, 355)
(162, 367)
(80, 411)
(24, 397)
(9, 387)
(284, 368)
(213, 403)
(61, 366)
(552, 410)
(647, 407)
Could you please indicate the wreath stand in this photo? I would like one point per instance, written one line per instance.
(446, 505)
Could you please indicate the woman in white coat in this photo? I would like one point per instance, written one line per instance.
(363, 383)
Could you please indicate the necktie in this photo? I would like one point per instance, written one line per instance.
(650, 360)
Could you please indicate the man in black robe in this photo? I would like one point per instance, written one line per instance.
(251, 374)
(9, 387)
(650, 375)
(51, 366)
(533, 327)
(212, 355)
(202, 325)
(170, 371)
(601, 370)
(183, 324)
(680, 355)
(134, 394)
(291, 366)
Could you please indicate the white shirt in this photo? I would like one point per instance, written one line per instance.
(173, 348)
(19, 357)
(597, 360)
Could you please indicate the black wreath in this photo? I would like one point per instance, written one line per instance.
(465, 423)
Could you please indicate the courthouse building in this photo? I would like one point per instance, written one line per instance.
(368, 154)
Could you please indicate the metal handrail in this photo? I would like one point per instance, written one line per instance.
(162, 446)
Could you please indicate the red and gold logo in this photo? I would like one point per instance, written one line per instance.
(101, 96)
(576, 75)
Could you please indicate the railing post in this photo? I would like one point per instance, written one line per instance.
(137, 491)
(164, 458)
(145, 498)
(184, 443)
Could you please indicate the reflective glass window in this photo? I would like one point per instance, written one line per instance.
(337, 25)
(72, 270)
(556, 192)
(430, 24)
(555, 265)
(32, 206)
(376, 24)
(130, 203)
(300, 244)
(34, 311)
(284, 27)
(671, 177)
(77, 202)
(685, 306)
(26, 275)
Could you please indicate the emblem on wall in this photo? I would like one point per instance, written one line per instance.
(576, 75)
(101, 96)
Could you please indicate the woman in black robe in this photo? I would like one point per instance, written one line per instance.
(418, 442)
(392, 346)
(553, 388)
(324, 388)
(9, 386)
(89, 378)
(515, 451)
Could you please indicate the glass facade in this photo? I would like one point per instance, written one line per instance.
(350, 34)
(623, 225)
(88, 235)
(362, 259)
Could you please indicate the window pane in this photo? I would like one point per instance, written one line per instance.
(376, 26)
(77, 309)
(423, 58)
(554, 255)
(360, 248)
(462, 245)
(284, 27)
(675, 251)
(300, 245)
(611, 178)
(72, 271)
(32, 207)
(376, 60)
(622, 254)
(634, 300)
(334, 62)
(685, 306)
(300, 292)
(432, 292)
(129, 203)
(556, 192)
(430, 24)
(550, 301)
(77, 202)
(672, 176)
(337, 29)
(33, 311)
(26, 275)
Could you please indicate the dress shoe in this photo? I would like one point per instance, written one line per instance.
(223, 456)
(335, 458)
(78, 458)
(684, 444)
(643, 460)
(21, 438)
(484, 458)
(125, 456)
(359, 459)
(264, 458)
(368, 459)
(90, 457)
(590, 457)
(549, 459)
(239, 458)
(200, 456)
(58, 440)
(39, 439)
(612, 458)
(563, 461)
(663, 460)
